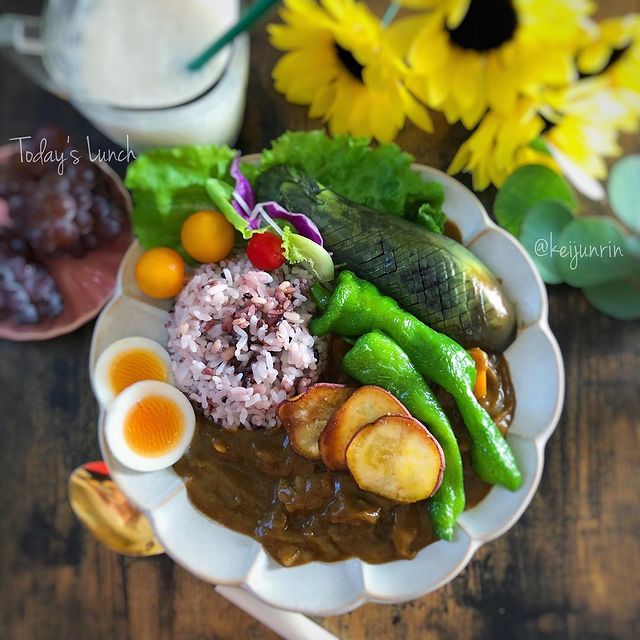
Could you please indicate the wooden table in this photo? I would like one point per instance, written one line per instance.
(569, 569)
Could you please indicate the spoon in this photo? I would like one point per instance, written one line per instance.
(101, 507)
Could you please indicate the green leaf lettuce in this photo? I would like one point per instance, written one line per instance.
(379, 177)
(168, 185)
(298, 249)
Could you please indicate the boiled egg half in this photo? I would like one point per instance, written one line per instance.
(149, 425)
(126, 362)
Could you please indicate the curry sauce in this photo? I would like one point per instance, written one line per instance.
(254, 483)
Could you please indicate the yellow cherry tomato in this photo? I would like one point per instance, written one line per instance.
(160, 272)
(207, 236)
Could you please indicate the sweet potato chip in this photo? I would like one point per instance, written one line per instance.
(305, 416)
(366, 405)
(396, 457)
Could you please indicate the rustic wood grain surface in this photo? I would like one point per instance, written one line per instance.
(569, 569)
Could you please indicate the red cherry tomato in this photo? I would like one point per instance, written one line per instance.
(265, 251)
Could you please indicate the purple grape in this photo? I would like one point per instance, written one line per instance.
(82, 194)
(60, 207)
(55, 136)
(28, 294)
(56, 214)
(107, 225)
(84, 221)
(65, 235)
(90, 242)
(52, 215)
(86, 175)
(54, 183)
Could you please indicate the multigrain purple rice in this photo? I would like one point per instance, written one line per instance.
(239, 341)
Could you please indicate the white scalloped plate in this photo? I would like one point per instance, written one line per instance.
(222, 556)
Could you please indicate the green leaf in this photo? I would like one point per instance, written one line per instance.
(619, 299)
(165, 170)
(541, 228)
(538, 144)
(379, 177)
(221, 194)
(157, 221)
(624, 190)
(526, 186)
(633, 247)
(431, 217)
(297, 249)
(250, 171)
(168, 185)
(591, 251)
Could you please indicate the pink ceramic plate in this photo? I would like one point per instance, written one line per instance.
(86, 283)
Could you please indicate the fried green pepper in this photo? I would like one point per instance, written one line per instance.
(376, 359)
(357, 307)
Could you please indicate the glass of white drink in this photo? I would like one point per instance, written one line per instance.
(123, 65)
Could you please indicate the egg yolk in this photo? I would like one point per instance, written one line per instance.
(153, 426)
(133, 366)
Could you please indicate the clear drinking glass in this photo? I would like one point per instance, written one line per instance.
(43, 47)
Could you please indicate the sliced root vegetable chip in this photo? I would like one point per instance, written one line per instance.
(396, 457)
(366, 405)
(305, 416)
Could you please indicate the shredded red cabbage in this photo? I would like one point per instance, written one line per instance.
(301, 223)
(244, 202)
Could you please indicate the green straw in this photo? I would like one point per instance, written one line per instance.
(390, 13)
(251, 15)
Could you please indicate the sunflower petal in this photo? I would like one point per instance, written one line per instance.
(321, 101)
(457, 13)
(460, 160)
(593, 59)
(299, 74)
(346, 94)
(385, 119)
(402, 33)
(359, 120)
(285, 38)
(471, 116)
(415, 111)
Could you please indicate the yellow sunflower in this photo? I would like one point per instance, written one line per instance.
(585, 120)
(339, 63)
(606, 41)
(572, 130)
(610, 62)
(453, 10)
(500, 144)
(501, 50)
